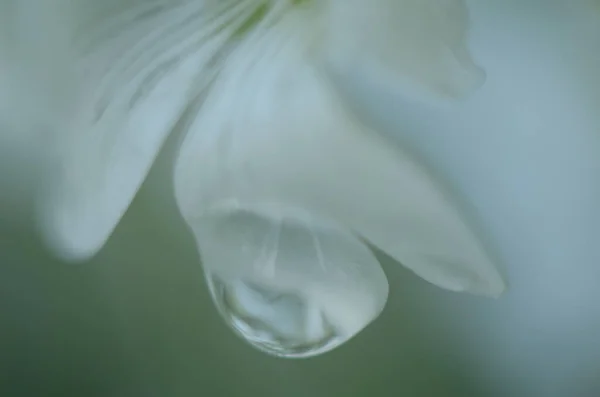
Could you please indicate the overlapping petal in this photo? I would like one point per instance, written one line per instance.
(139, 65)
(418, 47)
(273, 131)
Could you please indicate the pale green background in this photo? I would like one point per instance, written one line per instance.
(523, 157)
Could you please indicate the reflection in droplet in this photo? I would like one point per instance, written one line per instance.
(289, 283)
(282, 323)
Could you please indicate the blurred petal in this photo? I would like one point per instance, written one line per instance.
(289, 284)
(415, 46)
(272, 131)
(139, 67)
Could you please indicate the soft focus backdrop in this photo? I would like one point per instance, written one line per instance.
(523, 158)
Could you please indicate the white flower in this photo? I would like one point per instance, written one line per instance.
(280, 182)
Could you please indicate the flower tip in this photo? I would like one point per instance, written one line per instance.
(467, 77)
(462, 276)
(496, 285)
(499, 290)
(66, 239)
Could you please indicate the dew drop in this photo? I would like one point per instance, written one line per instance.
(279, 322)
(289, 284)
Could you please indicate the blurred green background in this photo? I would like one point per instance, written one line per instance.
(522, 155)
(138, 321)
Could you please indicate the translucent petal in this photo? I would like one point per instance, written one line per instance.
(273, 131)
(139, 65)
(287, 283)
(414, 46)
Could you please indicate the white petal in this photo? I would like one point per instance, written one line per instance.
(139, 67)
(414, 46)
(272, 131)
(334, 279)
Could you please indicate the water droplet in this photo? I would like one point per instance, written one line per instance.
(290, 284)
(279, 322)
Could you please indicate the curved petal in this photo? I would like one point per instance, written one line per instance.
(415, 46)
(272, 131)
(288, 283)
(139, 65)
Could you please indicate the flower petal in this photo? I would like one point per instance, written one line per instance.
(415, 46)
(139, 67)
(332, 279)
(273, 131)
